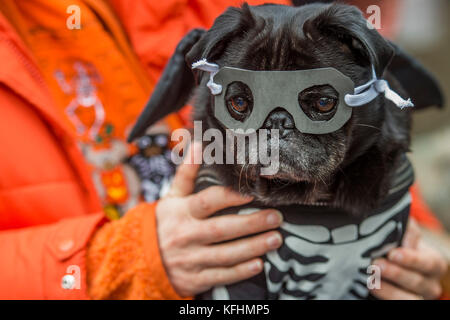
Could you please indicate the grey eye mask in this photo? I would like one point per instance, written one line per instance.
(280, 89)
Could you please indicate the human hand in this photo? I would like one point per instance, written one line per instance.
(411, 272)
(191, 242)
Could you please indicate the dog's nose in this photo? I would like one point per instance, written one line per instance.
(280, 119)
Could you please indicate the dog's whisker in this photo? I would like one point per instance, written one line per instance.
(240, 177)
(321, 179)
(314, 188)
(367, 125)
(246, 174)
(342, 171)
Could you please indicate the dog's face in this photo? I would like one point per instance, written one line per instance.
(274, 37)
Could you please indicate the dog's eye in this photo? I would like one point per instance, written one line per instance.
(319, 103)
(324, 104)
(238, 104)
(239, 100)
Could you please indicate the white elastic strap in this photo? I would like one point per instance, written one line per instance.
(212, 68)
(369, 91)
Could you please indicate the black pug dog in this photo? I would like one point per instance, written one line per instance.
(353, 182)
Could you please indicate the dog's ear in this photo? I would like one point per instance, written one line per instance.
(348, 25)
(173, 88)
(420, 85)
(177, 81)
(232, 23)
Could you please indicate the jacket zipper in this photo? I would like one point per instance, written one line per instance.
(30, 66)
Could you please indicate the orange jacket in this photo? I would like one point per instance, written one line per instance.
(51, 218)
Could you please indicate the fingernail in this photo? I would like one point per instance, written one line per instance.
(256, 266)
(395, 256)
(274, 218)
(274, 241)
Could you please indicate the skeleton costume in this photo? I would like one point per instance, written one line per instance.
(326, 252)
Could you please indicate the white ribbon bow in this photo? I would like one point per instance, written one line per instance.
(369, 91)
(212, 68)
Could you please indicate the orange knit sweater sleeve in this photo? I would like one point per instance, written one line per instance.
(123, 260)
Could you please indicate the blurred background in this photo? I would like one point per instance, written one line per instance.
(423, 29)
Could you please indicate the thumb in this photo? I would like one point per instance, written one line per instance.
(184, 180)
